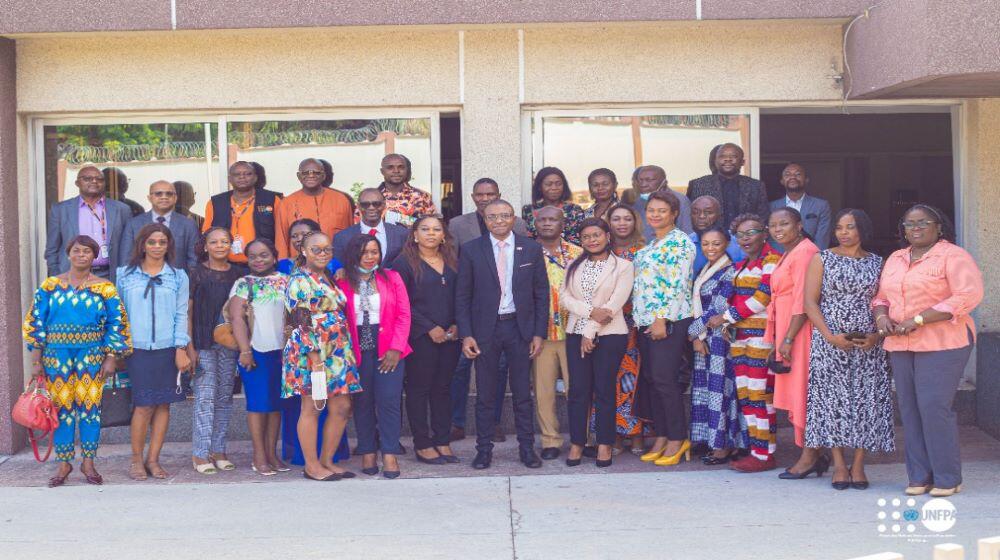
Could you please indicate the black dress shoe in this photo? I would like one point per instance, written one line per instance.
(390, 474)
(439, 460)
(550, 453)
(347, 474)
(482, 460)
(841, 484)
(572, 462)
(821, 465)
(859, 484)
(530, 458)
(451, 459)
(370, 471)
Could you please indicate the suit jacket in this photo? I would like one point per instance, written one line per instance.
(612, 291)
(477, 291)
(465, 228)
(753, 195)
(683, 219)
(815, 218)
(184, 230)
(64, 224)
(395, 236)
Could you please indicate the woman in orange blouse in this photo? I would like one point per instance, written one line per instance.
(926, 293)
(789, 330)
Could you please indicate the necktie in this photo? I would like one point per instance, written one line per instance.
(373, 232)
(160, 219)
(502, 265)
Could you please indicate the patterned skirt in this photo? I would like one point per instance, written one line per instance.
(330, 339)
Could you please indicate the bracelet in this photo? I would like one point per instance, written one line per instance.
(789, 340)
(246, 352)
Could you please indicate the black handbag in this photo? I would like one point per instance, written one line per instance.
(116, 405)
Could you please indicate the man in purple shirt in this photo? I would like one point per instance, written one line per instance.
(91, 214)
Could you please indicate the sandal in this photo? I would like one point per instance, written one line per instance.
(57, 480)
(263, 472)
(204, 468)
(157, 473)
(223, 464)
(137, 472)
(94, 478)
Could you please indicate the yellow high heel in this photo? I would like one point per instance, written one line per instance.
(652, 456)
(669, 460)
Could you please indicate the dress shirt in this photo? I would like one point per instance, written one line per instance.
(796, 204)
(379, 234)
(166, 217)
(90, 225)
(507, 296)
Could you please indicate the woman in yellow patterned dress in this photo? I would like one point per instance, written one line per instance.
(75, 330)
(319, 343)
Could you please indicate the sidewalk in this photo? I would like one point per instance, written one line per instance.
(630, 511)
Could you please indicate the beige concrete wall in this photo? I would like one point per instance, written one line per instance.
(980, 203)
(237, 70)
(683, 62)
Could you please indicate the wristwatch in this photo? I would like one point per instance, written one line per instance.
(919, 319)
(789, 340)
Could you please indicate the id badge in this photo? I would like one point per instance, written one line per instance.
(318, 381)
(392, 217)
(104, 252)
(237, 246)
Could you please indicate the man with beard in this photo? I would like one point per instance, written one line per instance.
(815, 211)
(705, 213)
(403, 203)
(652, 178)
(738, 194)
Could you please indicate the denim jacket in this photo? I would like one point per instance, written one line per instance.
(157, 306)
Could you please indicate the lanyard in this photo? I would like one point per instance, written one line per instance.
(561, 262)
(236, 217)
(101, 220)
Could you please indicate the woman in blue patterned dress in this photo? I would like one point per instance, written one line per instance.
(75, 330)
(319, 343)
(715, 415)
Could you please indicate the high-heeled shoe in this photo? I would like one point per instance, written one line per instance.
(652, 455)
(670, 460)
(841, 484)
(572, 462)
(603, 463)
(820, 466)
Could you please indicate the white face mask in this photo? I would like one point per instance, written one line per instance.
(645, 195)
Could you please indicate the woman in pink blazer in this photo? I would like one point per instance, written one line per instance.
(378, 316)
(597, 286)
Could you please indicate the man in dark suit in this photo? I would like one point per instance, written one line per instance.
(501, 306)
(93, 214)
(738, 194)
(815, 211)
(470, 226)
(371, 203)
(163, 198)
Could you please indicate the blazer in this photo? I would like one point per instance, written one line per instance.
(184, 230)
(393, 315)
(612, 291)
(465, 228)
(683, 218)
(753, 195)
(64, 224)
(477, 294)
(395, 236)
(815, 218)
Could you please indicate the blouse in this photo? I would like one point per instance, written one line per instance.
(62, 316)
(432, 298)
(157, 306)
(209, 293)
(589, 271)
(662, 285)
(945, 279)
(572, 217)
(268, 309)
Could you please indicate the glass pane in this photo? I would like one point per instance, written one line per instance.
(354, 148)
(678, 143)
(141, 153)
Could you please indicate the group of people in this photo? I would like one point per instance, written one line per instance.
(339, 308)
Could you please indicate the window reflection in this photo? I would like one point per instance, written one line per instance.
(678, 143)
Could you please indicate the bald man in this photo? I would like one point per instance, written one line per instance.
(163, 201)
(92, 214)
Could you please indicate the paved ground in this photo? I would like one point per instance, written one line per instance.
(631, 511)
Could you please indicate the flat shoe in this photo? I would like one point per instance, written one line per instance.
(370, 471)
(262, 472)
(390, 474)
(223, 464)
(859, 484)
(202, 468)
(57, 481)
(95, 479)
(347, 474)
(451, 459)
(945, 492)
(331, 478)
(439, 460)
(284, 468)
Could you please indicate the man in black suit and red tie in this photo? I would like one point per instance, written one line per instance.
(502, 304)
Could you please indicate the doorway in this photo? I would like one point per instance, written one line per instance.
(882, 163)
(451, 165)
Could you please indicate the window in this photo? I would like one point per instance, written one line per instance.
(678, 141)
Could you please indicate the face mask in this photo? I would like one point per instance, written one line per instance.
(645, 195)
(364, 270)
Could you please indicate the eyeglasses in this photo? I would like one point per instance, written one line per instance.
(748, 233)
(91, 178)
(919, 224)
(371, 204)
(321, 250)
(163, 194)
(498, 217)
(311, 173)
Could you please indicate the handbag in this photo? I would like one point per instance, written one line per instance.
(116, 405)
(222, 334)
(34, 410)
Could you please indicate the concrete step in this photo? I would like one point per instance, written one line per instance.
(181, 417)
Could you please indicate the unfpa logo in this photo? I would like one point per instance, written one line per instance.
(937, 515)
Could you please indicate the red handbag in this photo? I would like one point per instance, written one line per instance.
(34, 411)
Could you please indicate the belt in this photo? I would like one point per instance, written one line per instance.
(506, 316)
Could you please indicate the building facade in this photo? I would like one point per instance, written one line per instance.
(470, 89)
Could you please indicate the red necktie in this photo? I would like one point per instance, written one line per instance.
(373, 232)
